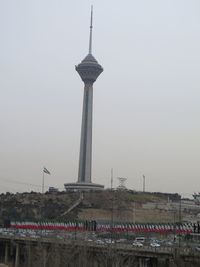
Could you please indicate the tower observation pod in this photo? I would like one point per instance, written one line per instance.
(89, 70)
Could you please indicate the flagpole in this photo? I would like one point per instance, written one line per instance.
(44, 171)
(43, 181)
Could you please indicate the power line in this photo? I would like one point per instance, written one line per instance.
(22, 183)
(18, 182)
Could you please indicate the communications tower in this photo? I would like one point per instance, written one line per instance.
(89, 70)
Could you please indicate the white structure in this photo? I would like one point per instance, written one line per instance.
(122, 183)
(89, 70)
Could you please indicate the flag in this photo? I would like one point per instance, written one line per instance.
(46, 171)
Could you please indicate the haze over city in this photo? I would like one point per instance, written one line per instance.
(146, 102)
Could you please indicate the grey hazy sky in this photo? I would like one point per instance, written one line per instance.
(146, 102)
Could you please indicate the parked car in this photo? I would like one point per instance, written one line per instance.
(198, 248)
(169, 243)
(109, 241)
(99, 241)
(137, 244)
(140, 239)
(154, 245)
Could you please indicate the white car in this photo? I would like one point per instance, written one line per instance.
(198, 248)
(140, 239)
(169, 243)
(155, 245)
(137, 244)
(109, 241)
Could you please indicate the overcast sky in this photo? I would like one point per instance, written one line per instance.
(146, 102)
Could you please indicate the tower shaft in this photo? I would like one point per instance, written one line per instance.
(85, 157)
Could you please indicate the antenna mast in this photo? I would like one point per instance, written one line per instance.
(122, 181)
(90, 40)
(111, 179)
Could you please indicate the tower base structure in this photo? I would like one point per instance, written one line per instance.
(74, 187)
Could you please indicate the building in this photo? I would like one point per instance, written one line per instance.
(53, 189)
(89, 70)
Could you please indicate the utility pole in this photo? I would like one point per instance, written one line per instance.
(143, 183)
(111, 226)
(111, 180)
(174, 228)
(179, 228)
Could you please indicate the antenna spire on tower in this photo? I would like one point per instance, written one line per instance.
(90, 40)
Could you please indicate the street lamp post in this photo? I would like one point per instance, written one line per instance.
(179, 228)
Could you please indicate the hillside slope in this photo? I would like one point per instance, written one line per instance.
(129, 206)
